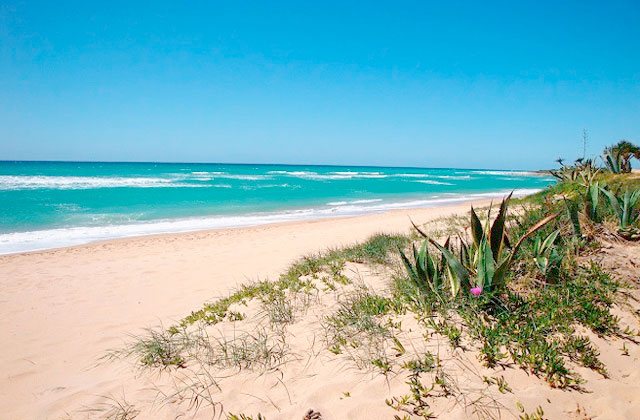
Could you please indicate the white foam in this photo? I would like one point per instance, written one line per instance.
(338, 175)
(56, 238)
(505, 173)
(342, 203)
(432, 182)
(32, 182)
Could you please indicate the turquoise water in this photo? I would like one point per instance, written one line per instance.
(51, 204)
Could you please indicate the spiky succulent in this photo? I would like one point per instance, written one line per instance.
(545, 254)
(625, 206)
(484, 261)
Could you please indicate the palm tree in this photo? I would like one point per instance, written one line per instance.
(625, 150)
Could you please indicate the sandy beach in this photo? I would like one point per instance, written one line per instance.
(63, 309)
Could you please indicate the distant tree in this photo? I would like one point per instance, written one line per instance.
(623, 151)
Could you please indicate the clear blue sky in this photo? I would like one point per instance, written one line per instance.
(466, 84)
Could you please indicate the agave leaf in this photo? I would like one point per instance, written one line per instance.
(498, 228)
(476, 227)
(536, 246)
(503, 266)
(456, 266)
(533, 229)
(429, 265)
(486, 265)
(613, 200)
(542, 263)
(594, 193)
(454, 282)
(420, 263)
(410, 269)
(549, 240)
(464, 252)
(626, 200)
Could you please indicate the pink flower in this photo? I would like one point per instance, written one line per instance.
(475, 291)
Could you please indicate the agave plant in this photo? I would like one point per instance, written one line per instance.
(425, 272)
(566, 174)
(613, 160)
(592, 198)
(618, 157)
(588, 172)
(624, 206)
(545, 254)
(484, 262)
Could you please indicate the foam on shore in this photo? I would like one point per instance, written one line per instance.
(17, 242)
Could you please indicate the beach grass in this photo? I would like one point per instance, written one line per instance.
(540, 314)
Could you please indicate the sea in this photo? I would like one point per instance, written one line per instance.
(47, 205)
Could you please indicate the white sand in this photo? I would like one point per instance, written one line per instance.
(61, 310)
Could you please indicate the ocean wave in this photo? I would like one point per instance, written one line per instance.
(242, 177)
(458, 177)
(342, 203)
(207, 173)
(20, 182)
(37, 182)
(505, 173)
(432, 182)
(56, 238)
(337, 175)
(259, 186)
(412, 175)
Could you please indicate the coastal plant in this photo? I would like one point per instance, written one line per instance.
(545, 254)
(157, 348)
(360, 329)
(612, 161)
(114, 409)
(537, 329)
(484, 262)
(425, 272)
(566, 174)
(592, 198)
(625, 207)
(241, 416)
(583, 172)
(588, 172)
(260, 350)
(618, 157)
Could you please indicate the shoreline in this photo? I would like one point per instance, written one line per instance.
(63, 309)
(212, 231)
(80, 236)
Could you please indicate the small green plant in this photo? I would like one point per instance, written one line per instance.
(626, 209)
(625, 349)
(241, 416)
(592, 197)
(499, 381)
(425, 272)
(536, 415)
(159, 348)
(545, 254)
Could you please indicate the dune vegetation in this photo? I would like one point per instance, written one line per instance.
(476, 314)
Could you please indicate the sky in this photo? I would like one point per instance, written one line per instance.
(430, 84)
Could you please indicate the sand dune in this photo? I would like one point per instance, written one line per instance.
(61, 310)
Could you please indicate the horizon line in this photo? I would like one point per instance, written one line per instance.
(253, 163)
